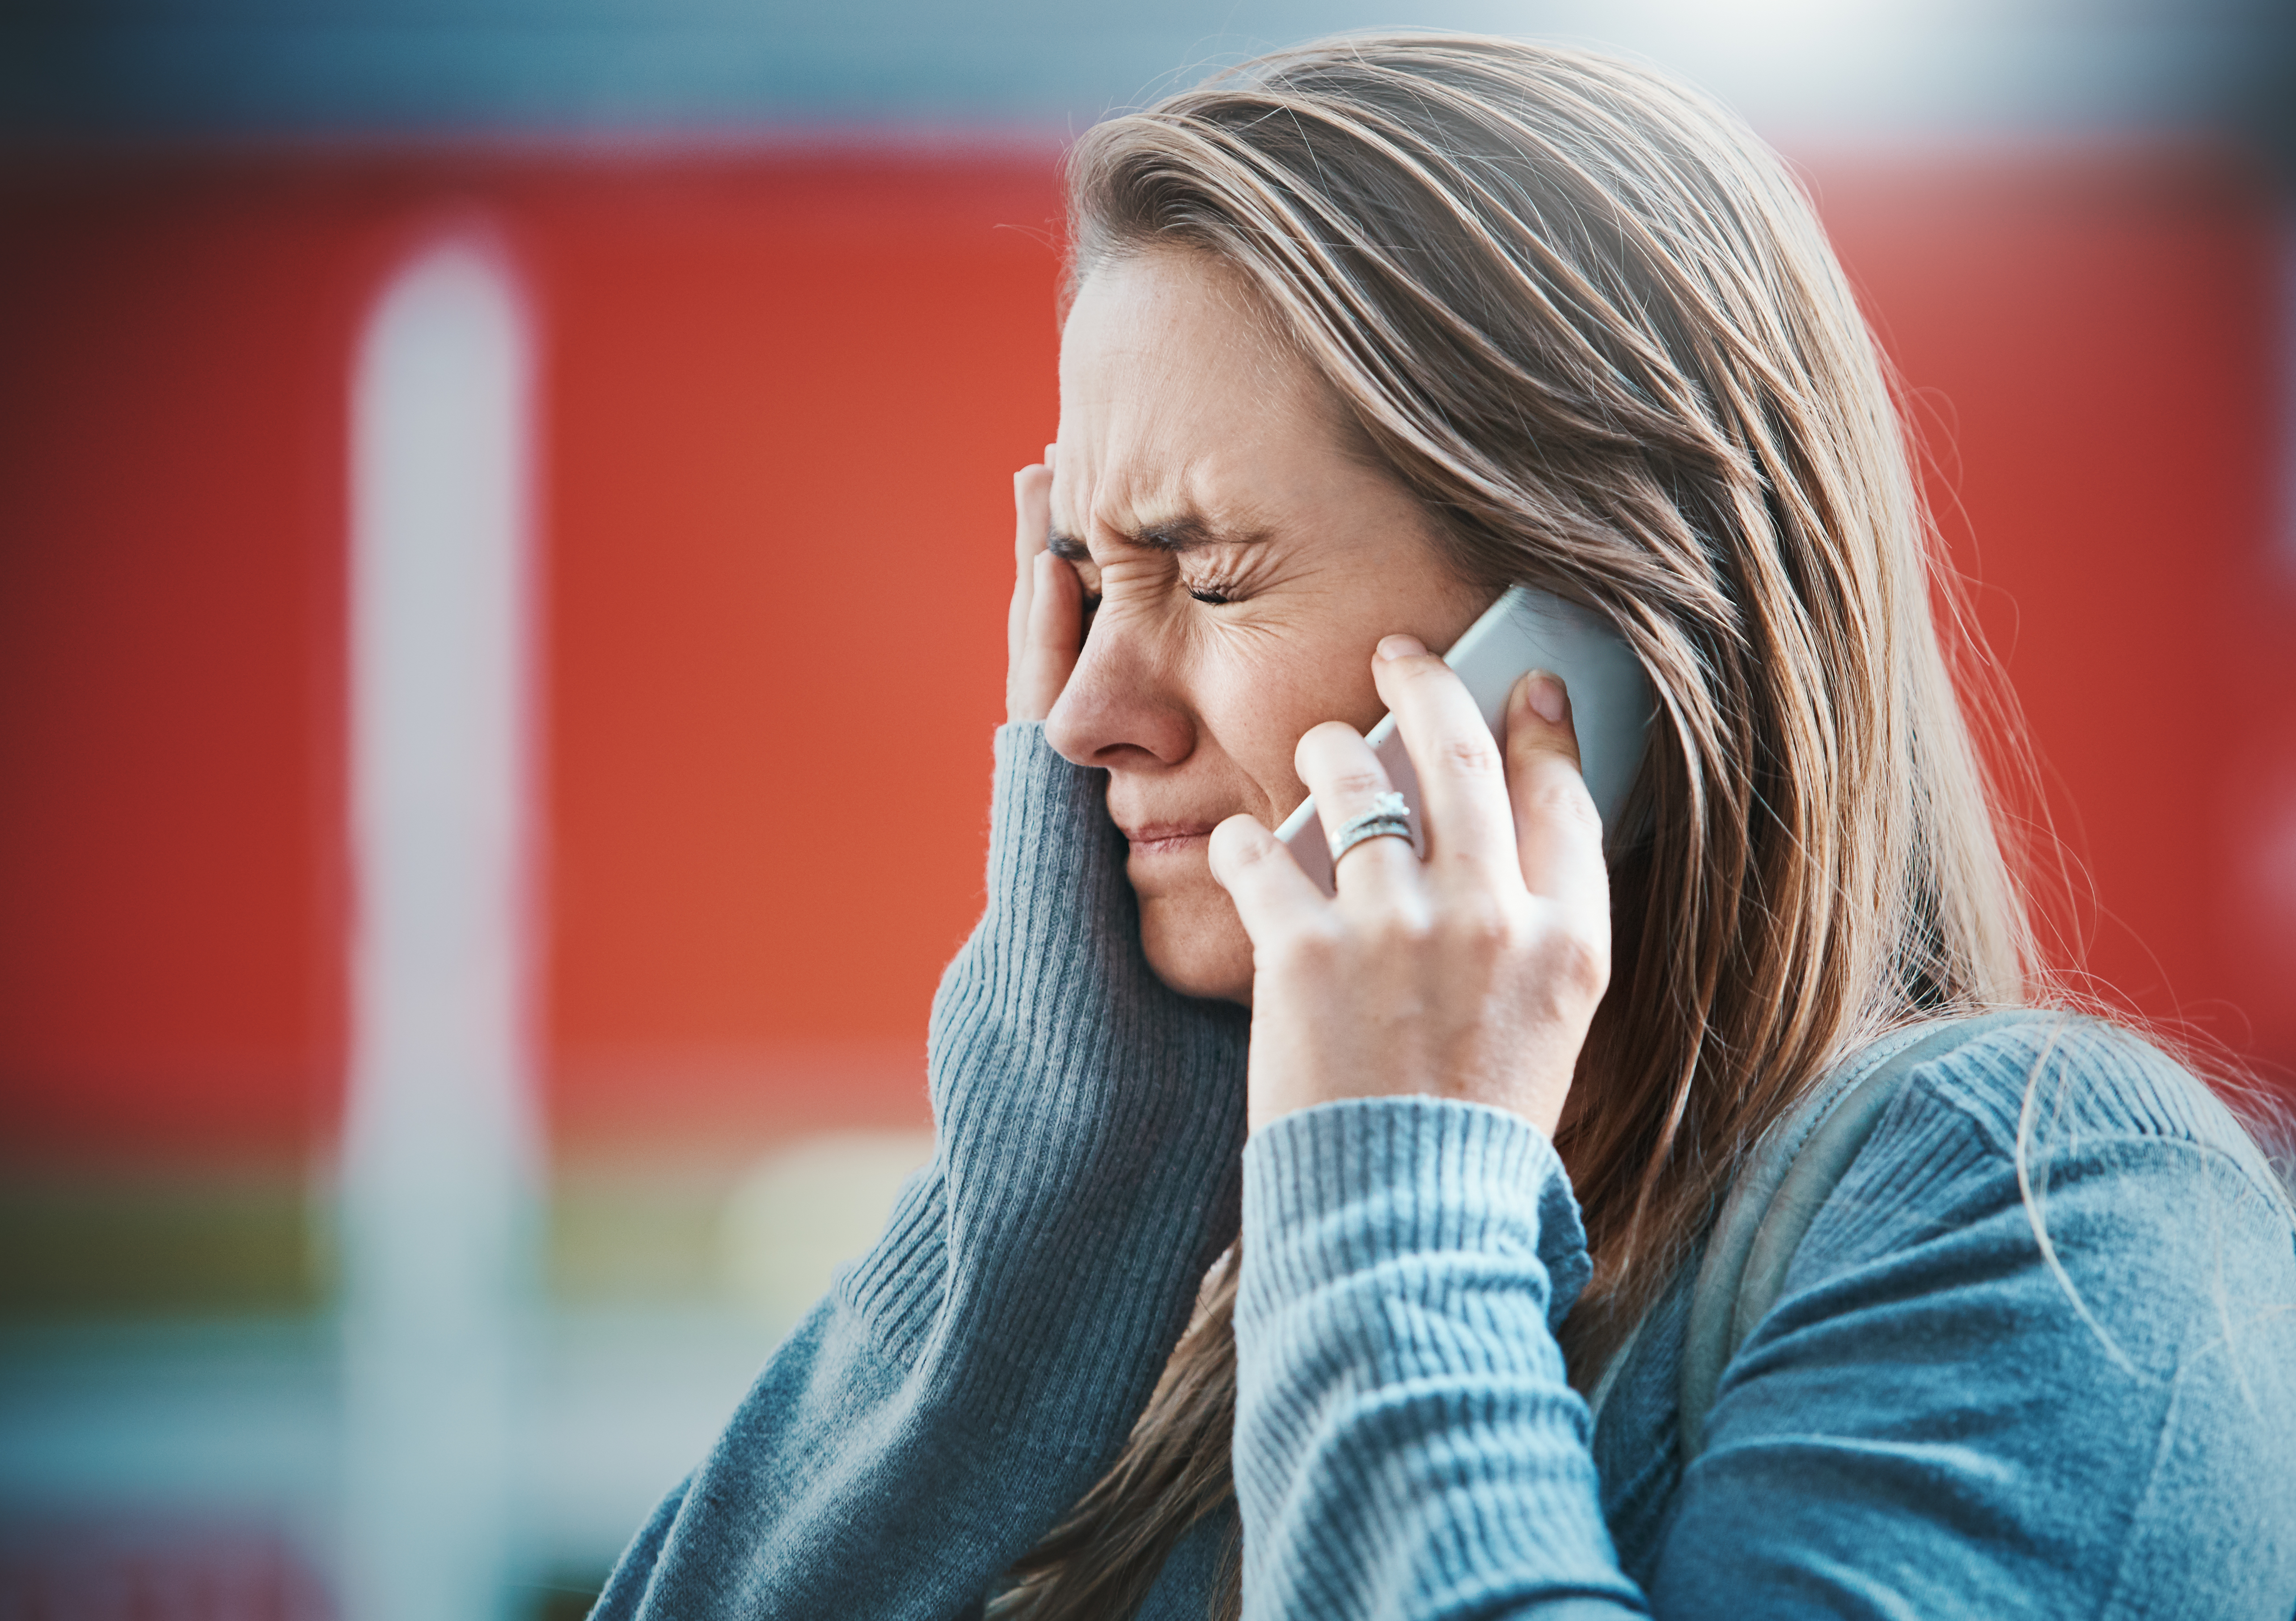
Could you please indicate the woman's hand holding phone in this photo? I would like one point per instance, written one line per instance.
(1044, 629)
(1472, 975)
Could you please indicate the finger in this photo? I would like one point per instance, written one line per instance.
(1462, 786)
(1032, 526)
(1347, 779)
(1050, 641)
(1557, 830)
(1270, 892)
(1032, 508)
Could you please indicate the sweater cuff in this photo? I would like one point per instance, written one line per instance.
(1347, 1186)
(1027, 765)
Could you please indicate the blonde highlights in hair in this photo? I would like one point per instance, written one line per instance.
(1592, 324)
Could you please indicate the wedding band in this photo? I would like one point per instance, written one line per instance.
(1389, 817)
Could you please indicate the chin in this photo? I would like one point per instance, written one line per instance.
(1196, 945)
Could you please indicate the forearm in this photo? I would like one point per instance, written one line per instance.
(972, 1375)
(1406, 1442)
(1090, 1121)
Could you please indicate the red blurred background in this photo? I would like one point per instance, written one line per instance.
(782, 393)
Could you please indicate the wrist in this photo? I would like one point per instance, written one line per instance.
(1345, 1187)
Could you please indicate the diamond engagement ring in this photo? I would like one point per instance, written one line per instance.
(1389, 817)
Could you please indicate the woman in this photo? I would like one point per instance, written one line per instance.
(1360, 334)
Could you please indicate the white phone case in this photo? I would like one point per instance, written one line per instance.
(1524, 630)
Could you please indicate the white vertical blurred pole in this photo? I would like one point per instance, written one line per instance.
(438, 1158)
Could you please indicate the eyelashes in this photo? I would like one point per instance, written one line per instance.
(1220, 589)
(1217, 594)
(1213, 596)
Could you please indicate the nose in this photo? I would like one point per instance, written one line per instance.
(1126, 701)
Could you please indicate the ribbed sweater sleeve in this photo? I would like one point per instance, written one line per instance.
(2036, 1355)
(965, 1381)
(1406, 1443)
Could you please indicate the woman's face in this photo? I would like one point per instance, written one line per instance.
(1247, 559)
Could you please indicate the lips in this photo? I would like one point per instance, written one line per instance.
(1164, 838)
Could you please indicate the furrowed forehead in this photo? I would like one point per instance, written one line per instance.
(1190, 531)
(1175, 524)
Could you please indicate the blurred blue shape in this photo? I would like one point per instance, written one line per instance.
(695, 68)
(213, 1452)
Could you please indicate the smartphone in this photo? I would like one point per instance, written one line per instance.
(1525, 630)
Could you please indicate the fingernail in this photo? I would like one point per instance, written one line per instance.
(1400, 647)
(1543, 693)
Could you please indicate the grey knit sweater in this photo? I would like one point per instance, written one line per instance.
(1936, 1418)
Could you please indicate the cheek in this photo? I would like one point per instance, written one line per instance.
(1259, 695)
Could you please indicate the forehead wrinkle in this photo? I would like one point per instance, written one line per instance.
(1156, 432)
(1170, 516)
(1124, 503)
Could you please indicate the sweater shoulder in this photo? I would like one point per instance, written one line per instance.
(2054, 1082)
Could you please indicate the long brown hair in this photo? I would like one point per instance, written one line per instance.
(1592, 324)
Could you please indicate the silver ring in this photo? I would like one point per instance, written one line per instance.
(1388, 817)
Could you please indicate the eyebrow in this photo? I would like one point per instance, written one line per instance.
(1188, 532)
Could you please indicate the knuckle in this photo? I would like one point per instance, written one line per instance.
(1487, 928)
(1401, 928)
(1486, 938)
(1359, 781)
(1561, 798)
(1579, 962)
(1471, 755)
